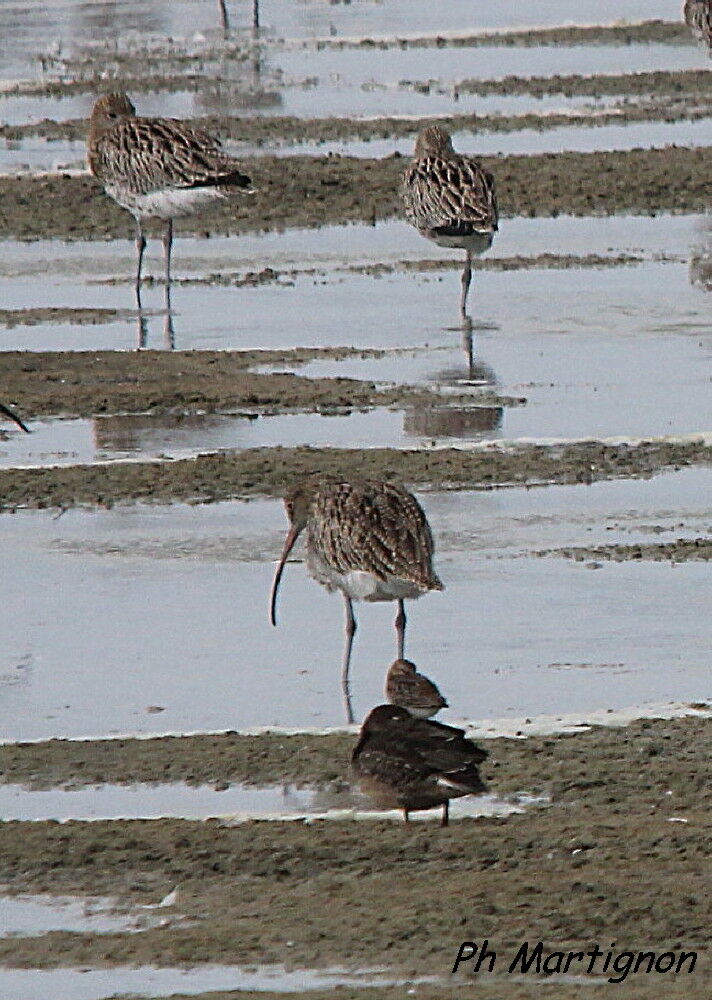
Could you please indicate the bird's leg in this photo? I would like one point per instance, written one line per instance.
(468, 346)
(169, 336)
(140, 247)
(466, 278)
(224, 15)
(446, 813)
(406, 815)
(400, 628)
(350, 632)
(167, 245)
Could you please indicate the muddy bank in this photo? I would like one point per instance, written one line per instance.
(645, 32)
(284, 130)
(86, 383)
(63, 314)
(287, 276)
(315, 191)
(602, 863)
(268, 471)
(681, 550)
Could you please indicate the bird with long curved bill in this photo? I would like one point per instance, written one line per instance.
(368, 539)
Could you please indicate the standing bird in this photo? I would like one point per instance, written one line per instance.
(157, 168)
(412, 691)
(450, 199)
(368, 539)
(410, 764)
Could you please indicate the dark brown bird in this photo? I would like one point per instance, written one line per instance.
(413, 691)
(157, 168)
(412, 764)
(14, 417)
(366, 538)
(450, 199)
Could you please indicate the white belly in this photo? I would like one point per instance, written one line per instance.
(168, 203)
(361, 585)
(475, 243)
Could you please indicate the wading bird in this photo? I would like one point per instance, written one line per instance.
(366, 538)
(157, 168)
(411, 764)
(450, 199)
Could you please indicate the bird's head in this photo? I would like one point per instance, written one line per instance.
(108, 111)
(385, 718)
(433, 141)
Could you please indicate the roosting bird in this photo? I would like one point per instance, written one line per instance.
(413, 691)
(450, 199)
(368, 539)
(157, 168)
(412, 764)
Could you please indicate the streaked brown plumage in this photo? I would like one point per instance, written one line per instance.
(157, 167)
(14, 417)
(450, 199)
(698, 17)
(368, 539)
(412, 691)
(412, 764)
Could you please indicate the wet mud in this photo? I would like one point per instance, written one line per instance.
(681, 550)
(619, 854)
(48, 314)
(645, 32)
(302, 191)
(269, 471)
(86, 383)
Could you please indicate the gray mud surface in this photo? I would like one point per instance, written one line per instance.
(681, 550)
(298, 191)
(269, 471)
(601, 862)
(86, 383)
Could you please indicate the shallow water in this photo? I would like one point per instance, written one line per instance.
(511, 635)
(37, 914)
(98, 984)
(236, 804)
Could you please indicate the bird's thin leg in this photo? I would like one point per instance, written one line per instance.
(466, 278)
(224, 15)
(167, 245)
(350, 632)
(140, 247)
(446, 813)
(400, 628)
(169, 336)
(406, 815)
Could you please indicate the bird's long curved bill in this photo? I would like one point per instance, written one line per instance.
(289, 541)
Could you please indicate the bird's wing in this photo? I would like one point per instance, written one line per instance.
(376, 528)
(454, 195)
(147, 154)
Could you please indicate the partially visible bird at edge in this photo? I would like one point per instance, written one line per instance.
(366, 538)
(157, 168)
(412, 764)
(412, 690)
(450, 199)
(14, 417)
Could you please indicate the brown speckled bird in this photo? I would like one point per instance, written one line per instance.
(412, 691)
(366, 538)
(450, 199)
(698, 17)
(157, 168)
(411, 764)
